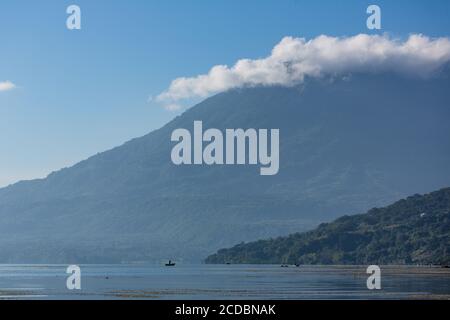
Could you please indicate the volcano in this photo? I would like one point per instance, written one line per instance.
(347, 145)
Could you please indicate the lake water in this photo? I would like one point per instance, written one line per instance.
(222, 282)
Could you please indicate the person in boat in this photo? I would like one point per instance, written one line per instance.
(170, 264)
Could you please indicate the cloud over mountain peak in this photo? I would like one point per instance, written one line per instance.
(293, 59)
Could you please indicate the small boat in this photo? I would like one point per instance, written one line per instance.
(170, 264)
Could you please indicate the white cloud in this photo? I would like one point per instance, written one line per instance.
(293, 59)
(173, 107)
(6, 86)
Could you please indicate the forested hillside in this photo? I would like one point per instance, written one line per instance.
(415, 230)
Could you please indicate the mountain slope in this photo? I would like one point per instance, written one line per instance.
(346, 145)
(413, 230)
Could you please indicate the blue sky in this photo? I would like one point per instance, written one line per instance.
(82, 92)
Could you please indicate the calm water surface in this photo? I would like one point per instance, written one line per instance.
(222, 282)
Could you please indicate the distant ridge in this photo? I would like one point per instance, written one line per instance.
(415, 230)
